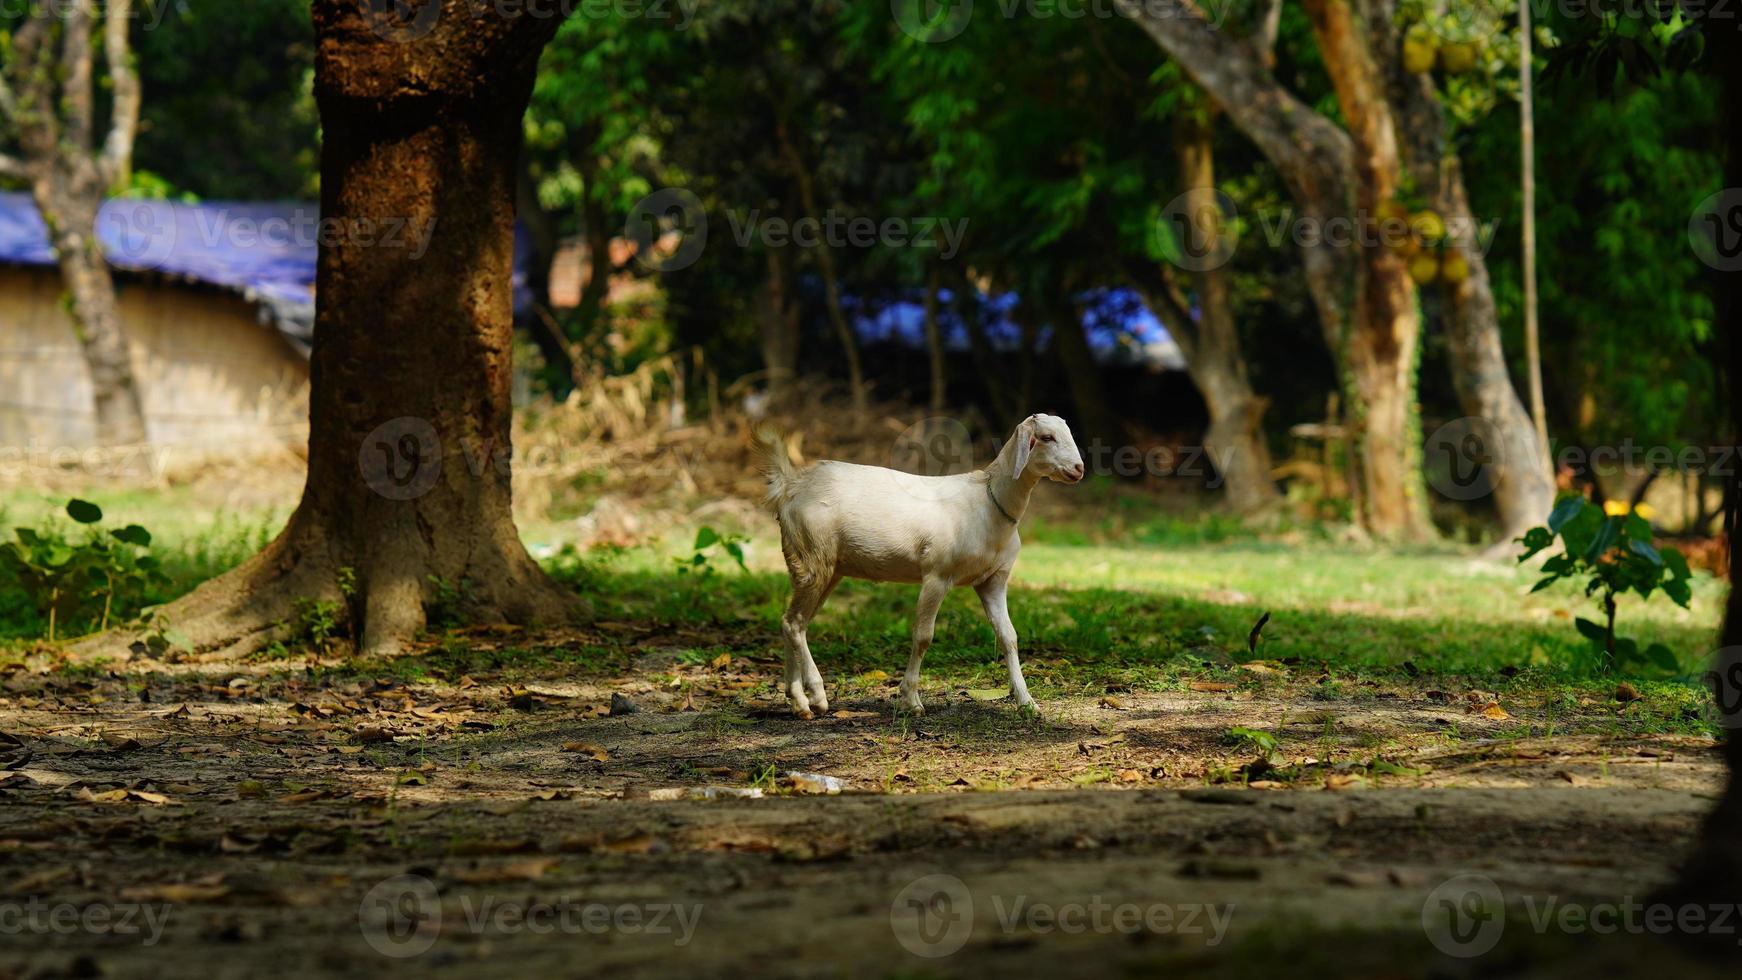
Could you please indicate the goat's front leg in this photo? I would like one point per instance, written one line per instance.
(931, 596)
(992, 599)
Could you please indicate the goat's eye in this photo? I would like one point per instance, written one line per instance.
(1046, 439)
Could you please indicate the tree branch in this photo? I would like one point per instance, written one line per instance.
(117, 162)
(13, 167)
(75, 73)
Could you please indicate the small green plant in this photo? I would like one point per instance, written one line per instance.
(447, 602)
(66, 577)
(709, 544)
(1612, 552)
(1262, 743)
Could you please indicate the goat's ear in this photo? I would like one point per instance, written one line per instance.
(1024, 444)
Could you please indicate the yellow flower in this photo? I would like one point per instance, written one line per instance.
(1645, 510)
(1615, 508)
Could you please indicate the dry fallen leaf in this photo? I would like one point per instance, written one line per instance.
(1113, 703)
(844, 713)
(1212, 687)
(1494, 711)
(588, 748)
(176, 893)
(527, 870)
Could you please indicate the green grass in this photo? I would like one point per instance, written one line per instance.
(1093, 606)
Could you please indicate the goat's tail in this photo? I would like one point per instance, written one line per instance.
(777, 466)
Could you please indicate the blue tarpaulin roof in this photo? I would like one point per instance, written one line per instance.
(265, 251)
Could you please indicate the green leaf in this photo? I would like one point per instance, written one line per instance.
(1565, 509)
(84, 511)
(1592, 631)
(1675, 561)
(1663, 658)
(1679, 591)
(1638, 528)
(133, 534)
(736, 550)
(1608, 534)
(1534, 540)
(1646, 551)
(1545, 583)
(705, 537)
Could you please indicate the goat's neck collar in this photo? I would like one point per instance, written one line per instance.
(1008, 489)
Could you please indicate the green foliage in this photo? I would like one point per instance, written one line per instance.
(1613, 554)
(710, 545)
(70, 577)
(1253, 740)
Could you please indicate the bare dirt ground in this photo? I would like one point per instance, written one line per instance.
(283, 817)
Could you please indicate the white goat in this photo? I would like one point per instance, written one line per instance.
(842, 519)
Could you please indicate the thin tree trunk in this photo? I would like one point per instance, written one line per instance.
(1527, 231)
(552, 345)
(597, 229)
(778, 322)
(826, 268)
(1095, 422)
(409, 480)
(1235, 437)
(1518, 464)
(934, 341)
(1006, 404)
(47, 84)
(1380, 355)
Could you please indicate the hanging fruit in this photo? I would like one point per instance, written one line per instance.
(1424, 268)
(1457, 57)
(1420, 50)
(1428, 226)
(1454, 268)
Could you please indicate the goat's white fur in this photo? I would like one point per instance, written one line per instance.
(843, 519)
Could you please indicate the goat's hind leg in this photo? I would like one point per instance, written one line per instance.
(931, 596)
(809, 589)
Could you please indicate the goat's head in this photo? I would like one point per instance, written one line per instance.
(1045, 447)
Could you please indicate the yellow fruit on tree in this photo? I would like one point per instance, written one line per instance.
(1418, 55)
(1457, 57)
(1428, 226)
(1454, 268)
(1424, 269)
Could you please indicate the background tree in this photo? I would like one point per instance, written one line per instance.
(48, 102)
(408, 490)
(1352, 177)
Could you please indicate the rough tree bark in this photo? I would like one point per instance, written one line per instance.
(408, 492)
(47, 98)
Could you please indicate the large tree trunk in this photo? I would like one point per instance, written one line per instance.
(1235, 437)
(407, 499)
(1712, 876)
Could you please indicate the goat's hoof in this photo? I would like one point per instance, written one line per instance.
(803, 714)
(1028, 709)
